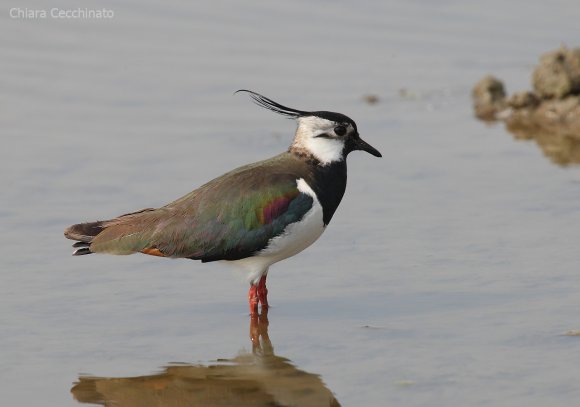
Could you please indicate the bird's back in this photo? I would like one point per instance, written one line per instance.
(228, 218)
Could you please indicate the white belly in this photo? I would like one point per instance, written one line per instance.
(295, 238)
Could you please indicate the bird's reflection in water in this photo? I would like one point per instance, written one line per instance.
(257, 379)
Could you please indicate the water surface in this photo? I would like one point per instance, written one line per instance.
(447, 275)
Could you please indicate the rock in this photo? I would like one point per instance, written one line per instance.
(563, 114)
(550, 115)
(558, 74)
(488, 98)
(520, 100)
(371, 99)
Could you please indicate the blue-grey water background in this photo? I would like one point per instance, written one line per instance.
(446, 277)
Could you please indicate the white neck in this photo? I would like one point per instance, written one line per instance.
(326, 150)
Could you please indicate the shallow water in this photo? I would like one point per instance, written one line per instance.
(449, 272)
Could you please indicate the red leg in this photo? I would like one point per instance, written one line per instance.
(263, 292)
(253, 299)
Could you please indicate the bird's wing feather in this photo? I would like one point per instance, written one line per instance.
(229, 218)
(232, 219)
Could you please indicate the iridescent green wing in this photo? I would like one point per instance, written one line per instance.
(229, 218)
(233, 218)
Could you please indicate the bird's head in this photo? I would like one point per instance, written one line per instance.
(326, 136)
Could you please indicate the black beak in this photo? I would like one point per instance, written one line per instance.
(360, 144)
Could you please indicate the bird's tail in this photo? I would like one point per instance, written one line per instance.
(125, 234)
(84, 233)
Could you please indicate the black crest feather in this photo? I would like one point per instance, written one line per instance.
(275, 106)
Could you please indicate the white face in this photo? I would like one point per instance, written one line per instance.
(319, 137)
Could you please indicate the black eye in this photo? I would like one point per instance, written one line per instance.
(340, 130)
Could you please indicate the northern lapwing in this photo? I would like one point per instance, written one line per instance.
(253, 216)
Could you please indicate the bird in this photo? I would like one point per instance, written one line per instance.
(251, 217)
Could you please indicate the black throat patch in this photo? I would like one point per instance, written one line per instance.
(329, 184)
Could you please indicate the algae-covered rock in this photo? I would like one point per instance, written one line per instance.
(488, 98)
(558, 74)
